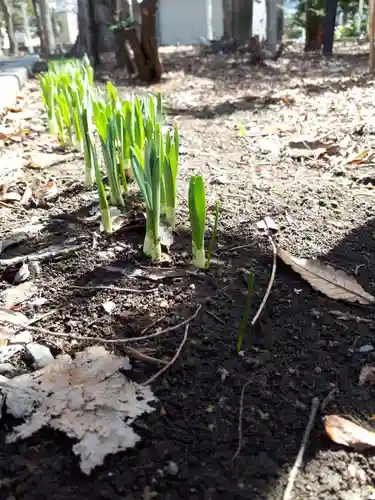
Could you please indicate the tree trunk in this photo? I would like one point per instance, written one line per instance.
(149, 42)
(88, 39)
(313, 28)
(123, 59)
(242, 20)
(329, 26)
(145, 46)
(46, 22)
(227, 20)
(272, 17)
(39, 27)
(7, 12)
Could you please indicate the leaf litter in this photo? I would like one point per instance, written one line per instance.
(87, 398)
(332, 282)
(315, 160)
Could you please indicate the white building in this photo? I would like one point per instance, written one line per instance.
(187, 22)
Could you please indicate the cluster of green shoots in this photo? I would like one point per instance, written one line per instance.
(129, 138)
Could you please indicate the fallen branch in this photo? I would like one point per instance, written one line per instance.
(270, 284)
(113, 288)
(240, 415)
(297, 464)
(53, 251)
(170, 363)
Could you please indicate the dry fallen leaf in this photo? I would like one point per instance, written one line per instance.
(12, 317)
(27, 195)
(345, 432)
(17, 294)
(267, 223)
(308, 147)
(23, 274)
(357, 158)
(332, 282)
(367, 375)
(87, 398)
(15, 110)
(11, 196)
(109, 306)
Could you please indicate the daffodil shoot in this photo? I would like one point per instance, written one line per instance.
(197, 211)
(148, 178)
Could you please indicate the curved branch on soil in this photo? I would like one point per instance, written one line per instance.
(170, 363)
(270, 284)
(99, 340)
(143, 357)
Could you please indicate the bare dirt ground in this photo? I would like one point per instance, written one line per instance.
(240, 127)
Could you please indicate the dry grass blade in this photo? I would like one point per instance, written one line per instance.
(332, 282)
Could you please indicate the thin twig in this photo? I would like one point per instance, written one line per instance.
(143, 357)
(298, 462)
(146, 328)
(232, 249)
(270, 284)
(328, 398)
(99, 340)
(210, 313)
(240, 415)
(113, 288)
(41, 318)
(170, 363)
(15, 206)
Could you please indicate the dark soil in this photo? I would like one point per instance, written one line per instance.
(298, 350)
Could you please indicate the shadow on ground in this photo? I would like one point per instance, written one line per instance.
(298, 350)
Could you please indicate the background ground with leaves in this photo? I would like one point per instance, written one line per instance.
(291, 140)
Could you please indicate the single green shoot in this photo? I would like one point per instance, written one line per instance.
(197, 211)
(246, 312)
(106, 126)
(213, 236)
(170, 171)
(241, 128)
(103, 202)
(148, 178)
(48, 87)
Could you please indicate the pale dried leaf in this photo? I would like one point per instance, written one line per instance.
(308, 147)
(18, 294)
(267, 223)
(27, 195)
(12, 317)
(87, 398)
(46, 160)
(345, 432)
(165, 235)
(367, 375)
(11, 196)
(109, 306)
(332, 282)
(357, 158)
(23, 274)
